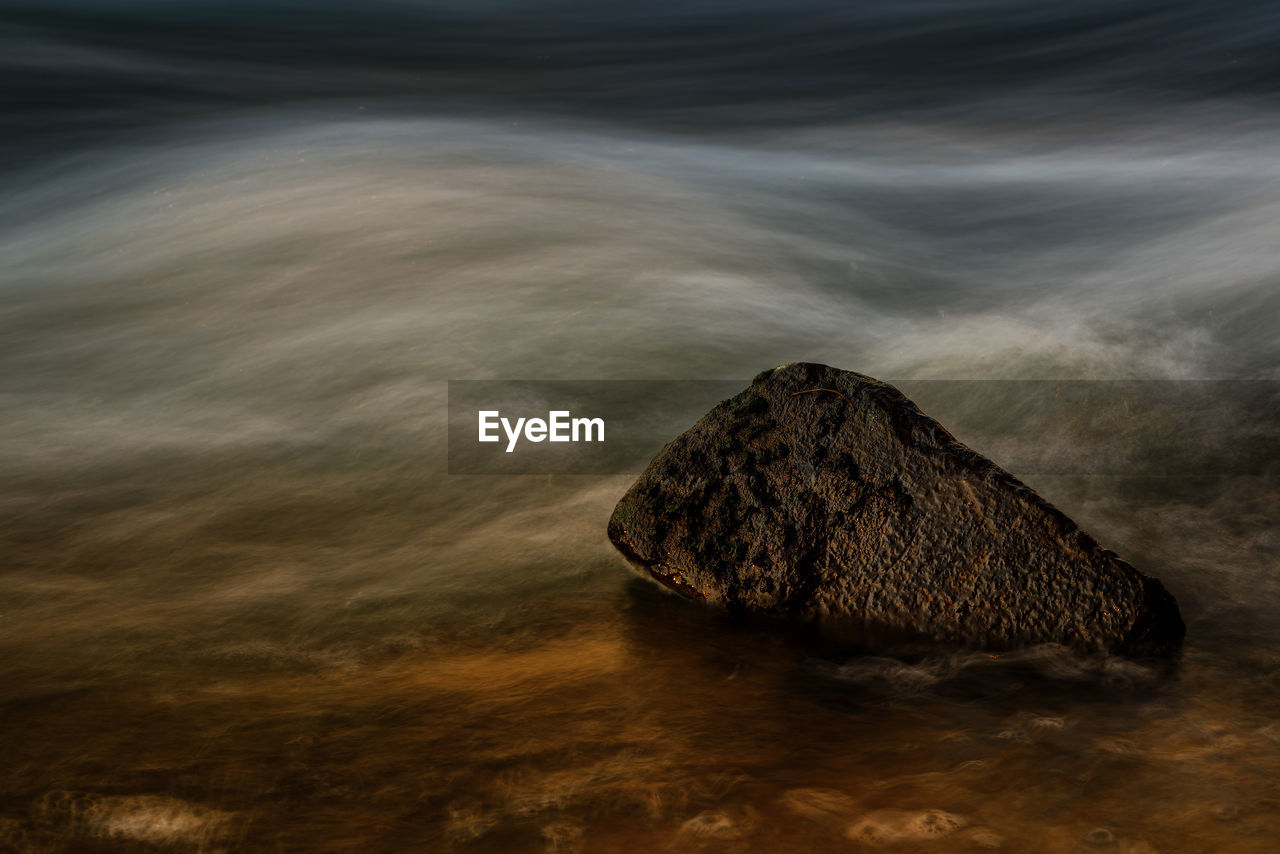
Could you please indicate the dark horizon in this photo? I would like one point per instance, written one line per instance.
(77, 72)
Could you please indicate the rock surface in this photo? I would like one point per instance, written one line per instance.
(826, 496)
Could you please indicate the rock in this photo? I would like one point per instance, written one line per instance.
(890, 826)
(828, 497)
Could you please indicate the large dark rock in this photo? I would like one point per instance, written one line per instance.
(828, 497)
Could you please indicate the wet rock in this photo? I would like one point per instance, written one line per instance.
(828, 497)
(892, 827)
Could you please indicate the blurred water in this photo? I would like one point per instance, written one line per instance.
(242, 606)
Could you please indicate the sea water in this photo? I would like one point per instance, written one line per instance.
(243, 605)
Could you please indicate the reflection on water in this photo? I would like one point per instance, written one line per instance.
(629, 721)
(242, 606)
